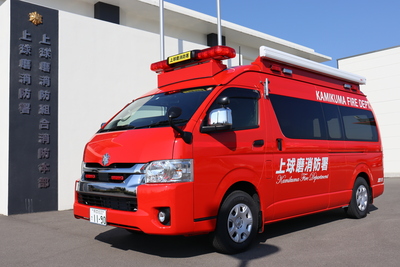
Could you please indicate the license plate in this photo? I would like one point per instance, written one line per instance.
(98, 216)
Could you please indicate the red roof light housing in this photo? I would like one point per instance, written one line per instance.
(216, 52)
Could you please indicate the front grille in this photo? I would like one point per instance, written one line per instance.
(116, 203)
(105, 177)
(112, 166)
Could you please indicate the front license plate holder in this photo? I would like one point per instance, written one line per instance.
(98, 216)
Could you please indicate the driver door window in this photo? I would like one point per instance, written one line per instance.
(244, 106)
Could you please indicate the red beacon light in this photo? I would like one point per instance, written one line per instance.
(216, 52)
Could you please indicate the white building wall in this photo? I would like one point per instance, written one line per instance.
(381, 68)
(4, 103)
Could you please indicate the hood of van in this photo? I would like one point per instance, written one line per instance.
(131, 146)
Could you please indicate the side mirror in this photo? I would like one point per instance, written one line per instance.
(219, 119)
(220, 116)
(223, 101)
(173, 113)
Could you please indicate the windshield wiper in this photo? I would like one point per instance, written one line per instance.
(122, 127)
(128, 126)
(160, 123)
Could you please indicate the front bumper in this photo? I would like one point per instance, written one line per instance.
(150, 198)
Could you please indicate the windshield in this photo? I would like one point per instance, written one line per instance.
(151, 111)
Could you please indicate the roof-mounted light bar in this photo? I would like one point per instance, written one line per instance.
(216, 52)
(267, 52)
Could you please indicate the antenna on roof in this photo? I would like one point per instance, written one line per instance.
(219, 22)
(162, 49)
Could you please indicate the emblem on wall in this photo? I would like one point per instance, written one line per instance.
(106, 159)
(35, 18)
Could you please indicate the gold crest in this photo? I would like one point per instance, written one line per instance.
(35, 18)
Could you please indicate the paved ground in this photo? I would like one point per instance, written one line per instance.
(325, 239)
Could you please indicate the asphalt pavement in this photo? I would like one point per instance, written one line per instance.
(324, 239)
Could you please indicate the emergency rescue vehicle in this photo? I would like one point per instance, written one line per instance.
(226, 150)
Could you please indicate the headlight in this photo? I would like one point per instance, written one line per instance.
(169, 171)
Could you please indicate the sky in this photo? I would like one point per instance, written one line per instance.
(335, 28)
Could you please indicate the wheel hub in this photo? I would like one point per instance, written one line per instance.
(240, 223)
(362, 197)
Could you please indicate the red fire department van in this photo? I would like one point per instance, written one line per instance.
(226, 150)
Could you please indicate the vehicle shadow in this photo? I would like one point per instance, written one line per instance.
(305, 222)
(185, 247)
(163, 246)
(172, 246)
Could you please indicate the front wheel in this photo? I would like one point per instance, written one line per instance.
(237, 223)
(360, 199)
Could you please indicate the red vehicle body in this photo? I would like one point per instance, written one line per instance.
(226, 150)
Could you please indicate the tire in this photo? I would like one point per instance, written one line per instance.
(237, 223)
(360, 199)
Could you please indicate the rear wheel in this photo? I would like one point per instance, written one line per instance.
(237, 223)
(360, 200)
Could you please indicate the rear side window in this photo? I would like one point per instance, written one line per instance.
(359, 125)
(306, 119)
(333, 121)
(299, 118)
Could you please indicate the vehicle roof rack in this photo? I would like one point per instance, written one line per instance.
(267, 52)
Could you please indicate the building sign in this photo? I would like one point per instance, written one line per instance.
(33, 141)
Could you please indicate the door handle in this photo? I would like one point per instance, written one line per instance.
(279, 143)
(258, 143)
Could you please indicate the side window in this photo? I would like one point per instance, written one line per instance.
(359, 125)
(306, 119)
(299, 118)
(244, 106)
(332, 117)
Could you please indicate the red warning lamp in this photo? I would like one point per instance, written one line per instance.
(90, 176)
(160, 65)
(117, 177)
(275, 68)
(216, 52)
